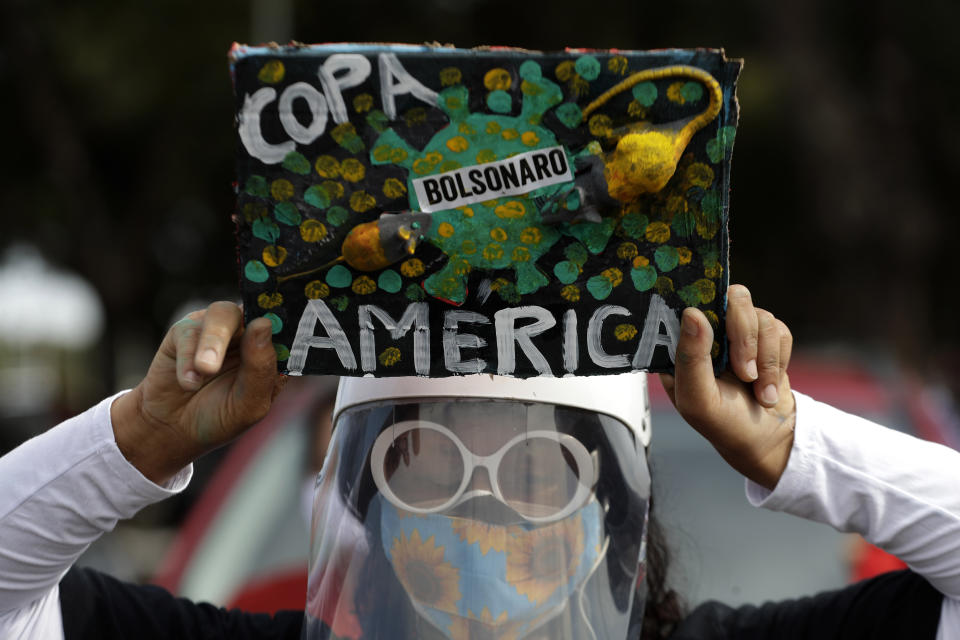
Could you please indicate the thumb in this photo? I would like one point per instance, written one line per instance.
(695, 389)
(257, 376)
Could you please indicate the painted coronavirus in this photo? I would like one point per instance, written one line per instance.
(500, 233)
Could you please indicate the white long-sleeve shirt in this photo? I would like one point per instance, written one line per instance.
(60, 491)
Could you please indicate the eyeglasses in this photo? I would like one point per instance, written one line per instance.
(423, 467)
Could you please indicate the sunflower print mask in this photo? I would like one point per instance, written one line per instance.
(471, 579)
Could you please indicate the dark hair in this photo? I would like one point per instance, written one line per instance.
(664, 607)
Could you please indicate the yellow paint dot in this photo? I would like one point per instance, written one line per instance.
(493, 127)
(316, 289)
(664, 286)
(469, 247)
(460, 267)
(520, 254)
(381, 153)
(600, 125)
(271, 73)
(624, 332)
(510, 209)
(393, 188)
(531, 235)
(457, 144)
(627, 251)
(529, 138)
(274, 256)
(677, 204)
(434, 157)
(415, 116)
(491, 204)
(565, 70)
(398, 155)
(445, 230)
(492, 251)
(312, 231)
(333, 189)
(579, 86)
(675, 93)
(253, 211)
(497, 79)
(486, 155)
(281, 189)
(707, 290)
(448, 165)
(700, 175)
(422, 166)
(269, 300)
(713, 271)
(363, 285)
(618, 65)
(389, 356)
(712, 317)
(363, 103)
(498, 234)
(640, 261)
(353, 170)
(361, 201)
(412, 267)
(499, 283)
(466, 129)
(684, 255)
(570, 293)
(614, 275)
(328, 167)
(658, 232)
(510, 134)
(715, 349)
(466, 211)
(450, 76)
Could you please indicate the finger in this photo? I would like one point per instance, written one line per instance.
(221, 323)
(183, 337)
(695, 390)
(766, 387)
(668, 382)
(786, 346)
(742, 328)
(257, 377)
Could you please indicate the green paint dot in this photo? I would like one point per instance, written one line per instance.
(635, 224)
(316, 196)
(414, 292)
(339, 276)
(570, 115)
(340, 302)
(645, 93)
(572, 203)
(377, 120)
(337, 215)
(255, 271)
(282, 352)
(508, 293)
(257, 186)
(276, 323)
(684, 224)
(599, 287)
(666, 258)
(499, 101)
(266, 230)
(710, 205)
(414, 225)
(643, 278)
(714, 151)
(576, 253)
(530, 70)
(691, 91)
(390, 281)
(690, 295)
(287, 213)
(295, 162)
(566, 271)
(587, 67)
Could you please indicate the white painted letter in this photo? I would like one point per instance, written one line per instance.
(571, 348)
(390, 68)
(417, 313)
(453, 342)
(250, 133)
(657, 314)
(357, 69)
(600, 357)
(305, 339)
(508, 334)
(318, 112)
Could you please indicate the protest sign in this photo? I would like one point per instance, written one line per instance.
(417, 210)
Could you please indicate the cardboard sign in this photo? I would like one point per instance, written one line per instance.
(411, 210)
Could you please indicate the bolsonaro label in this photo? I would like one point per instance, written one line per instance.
(520, 174)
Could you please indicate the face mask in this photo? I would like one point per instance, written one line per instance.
(472, 579)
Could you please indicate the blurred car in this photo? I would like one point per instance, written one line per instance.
(245, 542)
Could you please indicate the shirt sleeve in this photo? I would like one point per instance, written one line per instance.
(898, 491)
(61, 491)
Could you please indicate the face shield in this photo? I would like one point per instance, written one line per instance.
(475, 516)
